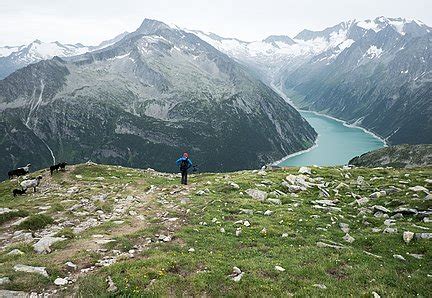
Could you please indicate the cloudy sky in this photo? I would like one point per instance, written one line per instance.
(91, 21)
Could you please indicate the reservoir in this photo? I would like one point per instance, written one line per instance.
(336, 144)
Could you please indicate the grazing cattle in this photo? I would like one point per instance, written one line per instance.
(17, 191)
(31, 183)
(54, 168)
(59, 166)
(19, 172)
(62, 165)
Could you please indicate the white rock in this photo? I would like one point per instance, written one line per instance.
(344, 227)
(321, 286)
(238, 232)
(279, 268)
(111, 286)
(15, 252)
(381, 208)
(4, 280)
(246, 223)
(274, 201)
(418, 188)
(348, 238)
(257, 194)
(305, 170)
(234, 185)
(399, 257)
(191, 249)
(60, 281)
(44, 244)
(31, 269)
(375, 295)
(222, 230)
(268, 212)
(71, 265)
(78, 176)
(407, 236)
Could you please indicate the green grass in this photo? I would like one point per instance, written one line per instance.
(36, 222)
(168, 269)
(12, 215)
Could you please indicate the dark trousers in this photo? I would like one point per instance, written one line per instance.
(184, 177)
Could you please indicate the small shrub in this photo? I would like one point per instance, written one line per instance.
(10, 215)
(36, 222)
(66, 232)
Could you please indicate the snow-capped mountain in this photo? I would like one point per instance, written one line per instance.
(137, 102)
(13, 58)
(274, 53)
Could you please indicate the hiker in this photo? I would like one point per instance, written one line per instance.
(184, 163)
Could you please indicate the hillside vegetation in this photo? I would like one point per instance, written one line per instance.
(99, 230)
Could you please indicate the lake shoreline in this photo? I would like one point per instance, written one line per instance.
(316, 143)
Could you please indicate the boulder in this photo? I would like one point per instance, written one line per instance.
(305, 170)
(44, 244)
(257, 194)
(31, 269)
(407, 236)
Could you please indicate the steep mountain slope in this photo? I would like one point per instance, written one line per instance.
(13, 58)
(139, 102)
(375, 73)
(122, 232)
(382, 81)
(400, 156)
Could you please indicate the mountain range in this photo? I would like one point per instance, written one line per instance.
(143, 100)
(372, 73)
(16, 57)
(140, 97)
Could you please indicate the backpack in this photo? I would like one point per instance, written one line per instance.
(184, 165)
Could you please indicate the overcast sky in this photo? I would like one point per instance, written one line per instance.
(92, 21)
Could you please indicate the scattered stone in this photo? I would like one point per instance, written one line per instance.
(268, 212)
(344, 227)
(423, 235)
(284, 235)
(236, 274)
(15, 252)
(78, 176)
(375, 295)
(362, 201)
(191, 249)
(322, 244)
(389, 230)
(4, 280)
(222, 230)
(418, 188)
(378, 194)
(71, 265)
(348, 238)
(381, 208)
(399, 257)
(416, 256)
(257, 194)
(111, 286)
(264, 231)
(408, 236)
(234, 185)
(246, 211)
(305, 170)
(60, 281)
(373, 255)
(31, 269)
(44, 244)
(274, 201)
(320, 286)
(279, 268)
(376, 230)
(246, 223)
(238, 232)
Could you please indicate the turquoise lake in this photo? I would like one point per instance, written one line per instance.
(336, 143)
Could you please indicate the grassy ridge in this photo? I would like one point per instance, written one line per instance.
(194, 216)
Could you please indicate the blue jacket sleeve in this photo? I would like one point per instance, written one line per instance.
(178, 161)
(190, 163)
